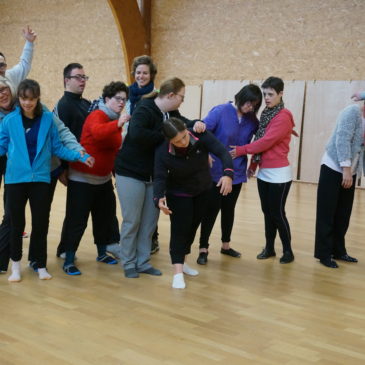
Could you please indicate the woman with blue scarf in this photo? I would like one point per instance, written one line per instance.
(144, 72)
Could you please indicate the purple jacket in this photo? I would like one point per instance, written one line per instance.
(223, 122)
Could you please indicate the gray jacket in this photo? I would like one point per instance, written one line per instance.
(67, 139)
(347, 140)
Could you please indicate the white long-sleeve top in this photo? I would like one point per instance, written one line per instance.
(20, 71)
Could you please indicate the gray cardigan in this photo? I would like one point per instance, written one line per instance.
(347, 140)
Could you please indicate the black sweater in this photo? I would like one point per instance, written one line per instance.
(188, 173)
(136, 158)
(73, 109)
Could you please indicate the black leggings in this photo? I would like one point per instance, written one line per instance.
(273, 198)
(217, 202)
(187, 213)
(5, 229)
(17, 196)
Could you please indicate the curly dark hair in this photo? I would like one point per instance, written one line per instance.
(113, 89)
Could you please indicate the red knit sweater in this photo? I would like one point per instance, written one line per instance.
(101, 139)
(274, 145)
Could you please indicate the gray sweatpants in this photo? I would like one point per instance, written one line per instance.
(139, 221)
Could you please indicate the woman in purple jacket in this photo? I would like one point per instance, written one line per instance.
(231, 124)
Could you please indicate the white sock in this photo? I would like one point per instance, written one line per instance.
(15, 272)
(189, 271)
(178, 281)
(43, 274)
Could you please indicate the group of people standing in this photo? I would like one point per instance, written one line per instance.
(189, 169)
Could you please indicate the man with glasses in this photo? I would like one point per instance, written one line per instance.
(20, 71)
(72, 109)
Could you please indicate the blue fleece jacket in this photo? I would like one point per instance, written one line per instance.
(13, 143)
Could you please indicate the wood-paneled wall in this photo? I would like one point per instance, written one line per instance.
(314, 104)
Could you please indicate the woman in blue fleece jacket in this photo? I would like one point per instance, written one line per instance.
(29, 137)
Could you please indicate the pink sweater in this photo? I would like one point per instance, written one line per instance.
(274, 145)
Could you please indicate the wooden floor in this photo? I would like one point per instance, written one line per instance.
(237, 311)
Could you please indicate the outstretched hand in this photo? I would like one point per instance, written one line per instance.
(29, 34)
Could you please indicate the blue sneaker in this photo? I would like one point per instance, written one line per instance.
(33, 265)
(107, 259)
(71, 269)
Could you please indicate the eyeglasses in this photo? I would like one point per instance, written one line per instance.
(250, 104)
(120, 99)
(3, 90)
(182, 97)
(79, 77)
(2, 64)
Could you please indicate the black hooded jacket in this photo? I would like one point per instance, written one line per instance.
(136, 158)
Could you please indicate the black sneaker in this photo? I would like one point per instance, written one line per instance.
(71, 269)
(287, 257)
(230, 252)
(346, 258)
(328, 262)
(203, 258)
(265, 254)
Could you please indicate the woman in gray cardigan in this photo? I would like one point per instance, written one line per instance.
(341, 162)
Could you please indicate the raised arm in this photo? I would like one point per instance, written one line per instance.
(20, 71)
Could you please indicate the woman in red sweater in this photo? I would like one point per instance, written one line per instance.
(270, 150)
(91, 190)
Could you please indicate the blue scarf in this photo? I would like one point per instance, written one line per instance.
(135, 93)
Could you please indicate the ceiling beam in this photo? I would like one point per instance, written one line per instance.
(134, 27)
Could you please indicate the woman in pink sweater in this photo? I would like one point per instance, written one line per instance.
(270, 151)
